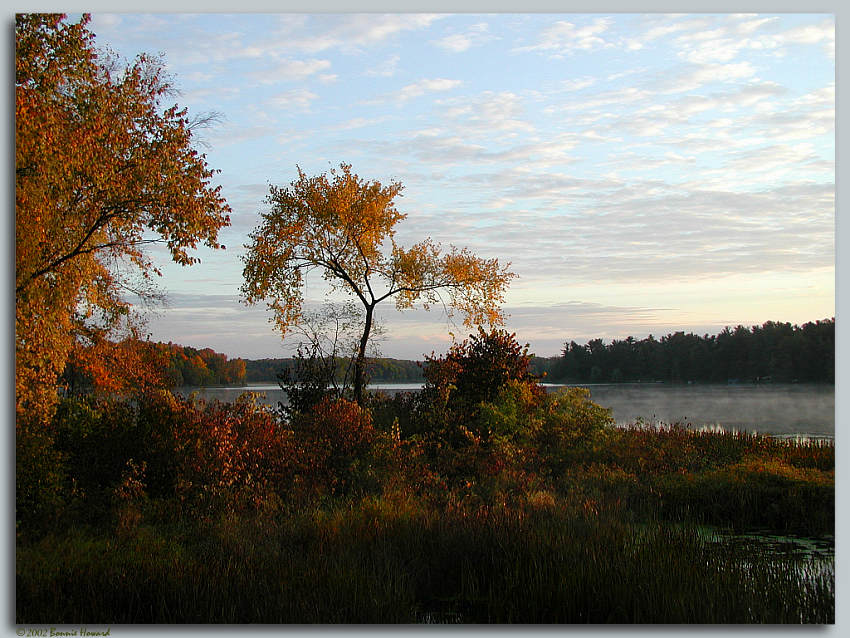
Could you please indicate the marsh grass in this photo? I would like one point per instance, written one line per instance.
(382, 560)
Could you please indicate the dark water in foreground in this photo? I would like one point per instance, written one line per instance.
(782, 409)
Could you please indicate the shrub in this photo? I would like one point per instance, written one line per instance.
(308, 382)
(568, 426)
(99, 436)
(232, 455)
(40, 478)
(473, 373)
(478, 368)
(754, 493)
(335, 439)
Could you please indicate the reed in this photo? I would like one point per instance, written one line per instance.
(399, 560)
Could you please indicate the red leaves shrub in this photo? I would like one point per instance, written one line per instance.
(233, 455)
(334, 441)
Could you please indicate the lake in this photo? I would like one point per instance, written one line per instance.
(780, 409)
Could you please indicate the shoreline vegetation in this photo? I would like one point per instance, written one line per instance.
(775, 352)
(482, 498)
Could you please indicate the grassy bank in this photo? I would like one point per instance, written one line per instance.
(397, 561)
(469, 502)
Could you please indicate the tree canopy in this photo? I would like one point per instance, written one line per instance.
(776, 351)
(103, 169)
(344, 227)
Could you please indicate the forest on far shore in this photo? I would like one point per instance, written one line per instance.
(773, 352)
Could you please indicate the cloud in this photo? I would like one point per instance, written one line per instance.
(104, 21)
(386, 69)
(565, 38)
(699, 75)
(291, 71)
(659, 27)
(823, 34)
(577, 84)
(424, 86)
(230, 134)
(736, 34)
(487, 113)
(476, 35)
(294, 100)
(348, 32)
(359, 122)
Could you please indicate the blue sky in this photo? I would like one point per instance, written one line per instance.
(644, 173)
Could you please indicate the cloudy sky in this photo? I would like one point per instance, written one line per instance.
(643, 173)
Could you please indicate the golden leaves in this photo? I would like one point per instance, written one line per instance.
(335, 222)
(343, 226)
(99, 165)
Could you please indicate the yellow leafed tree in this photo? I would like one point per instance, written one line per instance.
(103, 168)
(344, 226)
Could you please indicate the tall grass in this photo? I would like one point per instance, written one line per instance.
(397, 560)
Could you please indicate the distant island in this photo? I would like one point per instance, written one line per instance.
(773, 352)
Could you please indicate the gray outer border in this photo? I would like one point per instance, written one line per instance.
(842, 238)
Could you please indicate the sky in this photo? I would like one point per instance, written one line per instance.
(644, 173)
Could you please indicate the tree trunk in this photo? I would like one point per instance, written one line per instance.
(360, 361)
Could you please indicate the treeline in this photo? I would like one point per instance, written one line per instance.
(189, 366)
(381, 370)
(774, 351)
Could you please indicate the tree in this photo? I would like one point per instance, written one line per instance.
(103, 169)
(344, 227)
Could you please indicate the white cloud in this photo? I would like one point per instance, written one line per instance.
(488, 113)
(349, 31)
(564, 38)
(823, 33)
(235, 134)
(424, 86)
(701, 75)
(661, 26)
(476, 35)
(294, 99)
(104, 21)
(358, 122)
(733, 35)
(577, 84)
(291, 71)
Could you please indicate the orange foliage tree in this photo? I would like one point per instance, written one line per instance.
(130, 366)
(344, 227)
(102, 169)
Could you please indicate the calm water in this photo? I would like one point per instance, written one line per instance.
(797, 409)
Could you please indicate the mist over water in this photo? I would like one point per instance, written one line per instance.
(783, 409)
(769, 409)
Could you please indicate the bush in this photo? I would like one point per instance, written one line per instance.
(335, 439)
(473, 373)
(752, 494)
(232, 455)
(308, 382)
(100, 436)
(40, 478)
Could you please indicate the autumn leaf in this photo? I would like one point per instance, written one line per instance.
(103, 169)
(344, 227)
